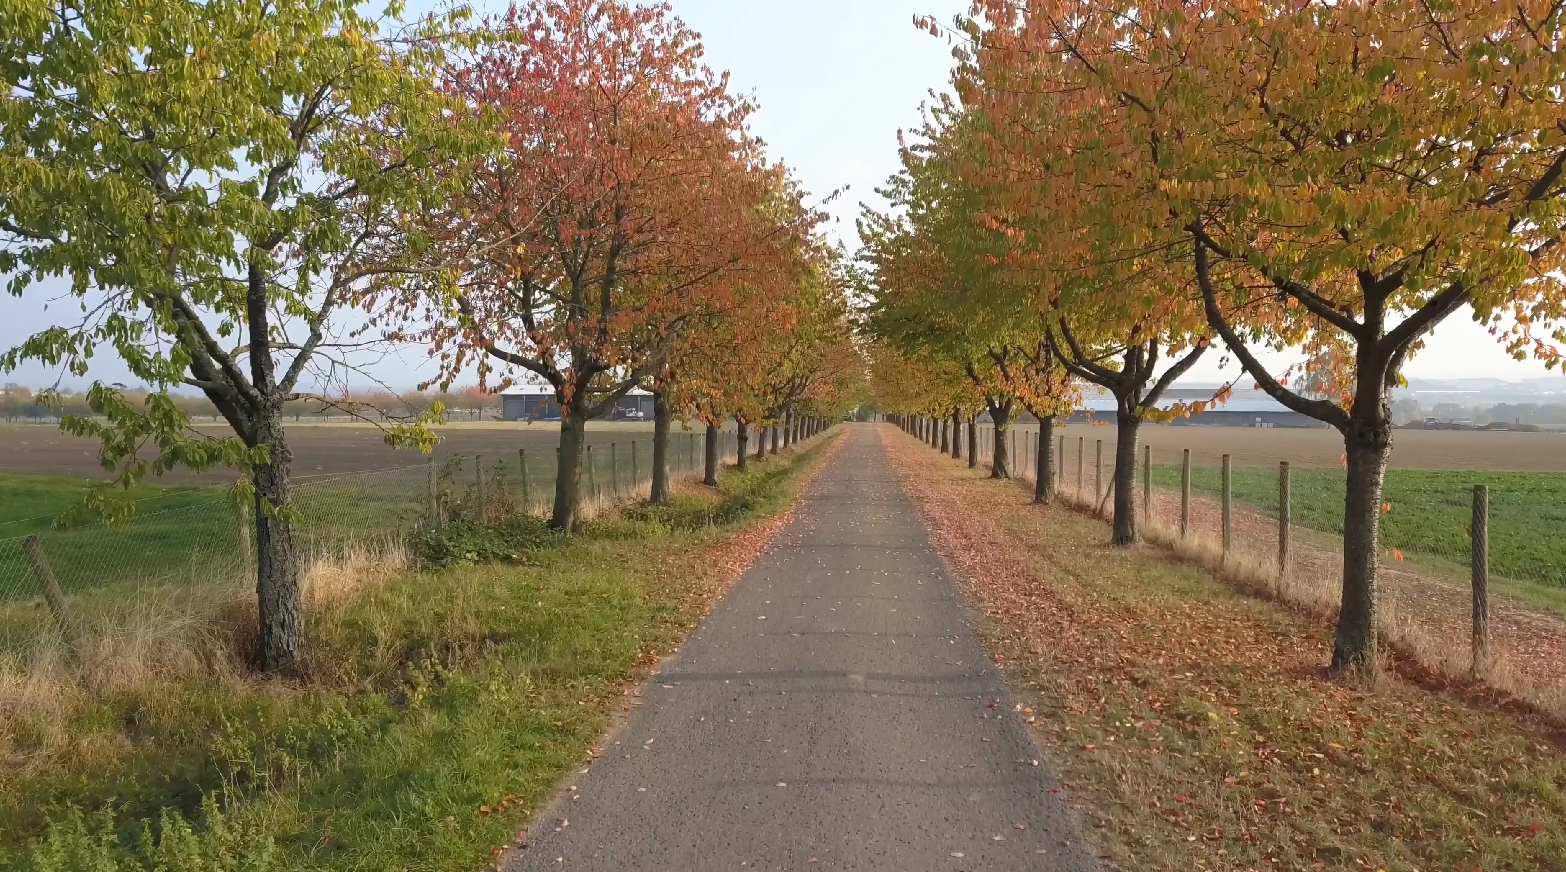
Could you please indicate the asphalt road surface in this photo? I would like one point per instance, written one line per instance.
(835, 712)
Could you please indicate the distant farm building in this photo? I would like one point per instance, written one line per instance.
(1244, 408)
(531, 402)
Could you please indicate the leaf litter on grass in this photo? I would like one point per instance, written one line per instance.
(1196, 728)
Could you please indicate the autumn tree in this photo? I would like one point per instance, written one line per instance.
(214, 180)
(939, 275)
(626, 190)
(1336, 176)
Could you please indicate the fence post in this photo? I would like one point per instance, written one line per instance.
(527, 484)
(1185, 494)
(1081, 460)
(1228, 509)
(245, 535)
(59, 609)
(1060, 468)
(1285, 520)
(1098, 471)
(592, 474)
(478, 475)
(614, 469)
(434, 503)
(1147, 484)
(636, 473)
(1481, 580)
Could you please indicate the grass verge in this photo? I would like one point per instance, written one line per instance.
(1194, 727)
(442, 704)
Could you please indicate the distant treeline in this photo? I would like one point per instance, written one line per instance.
(1546, 416)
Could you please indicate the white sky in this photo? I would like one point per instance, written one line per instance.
(835, 80)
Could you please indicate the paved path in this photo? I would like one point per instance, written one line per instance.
(835, 712)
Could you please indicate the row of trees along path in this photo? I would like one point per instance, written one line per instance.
(1114, 187)
(255, 201)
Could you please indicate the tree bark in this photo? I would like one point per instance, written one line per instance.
(710, 456)
(741, 444)
(773, 437)
(956, 435)
(568, 475)
(1044, 488)
(946, 439)
(1367, 443)
(280, 603)
(660, 452)
(788, 428)
(1000, 416)
(973, 441)
(1126, 432)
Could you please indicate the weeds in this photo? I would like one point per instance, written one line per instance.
(450, 681)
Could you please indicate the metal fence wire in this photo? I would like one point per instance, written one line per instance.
(188, 560)
(1443, 538)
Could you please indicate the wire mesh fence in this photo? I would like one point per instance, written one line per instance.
(171, 563)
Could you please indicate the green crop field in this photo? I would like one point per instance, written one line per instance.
(1431, 510)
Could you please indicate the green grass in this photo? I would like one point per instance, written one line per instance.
(1431, 510)
(442, 708)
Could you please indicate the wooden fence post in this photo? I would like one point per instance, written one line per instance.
(53, 596)
(1228, 509)
(1060, 468)
(1285, 520)
(245, 534)
(1185, 494)
(1147, 484)
(478, 477)
(1081, 461)
(592, 474)
(434, 500)
(636, 475)
(1481, 580)
(1098, 471)
(527, 484)
(614, 469)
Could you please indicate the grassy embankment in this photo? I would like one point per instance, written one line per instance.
(1194, 726)
(1429, 519)
(441, 704)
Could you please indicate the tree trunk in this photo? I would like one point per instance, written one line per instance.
(742, 444)
(710, 456)
(1126, 429)
(568, 474)
(946, 439)
(660, 452)
(1000, 465)
(956, 435)
(280, 604)
(1367, 444)
(773, 436)
(973, 441)
(1044, 488)
(788, 429)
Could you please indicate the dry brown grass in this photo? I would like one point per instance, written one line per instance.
(141, 648)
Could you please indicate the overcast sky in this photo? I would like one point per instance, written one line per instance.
(835, 81)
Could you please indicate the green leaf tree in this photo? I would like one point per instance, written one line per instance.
(217, 181)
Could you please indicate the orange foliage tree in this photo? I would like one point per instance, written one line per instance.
(629, 188)
(1341, 176)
